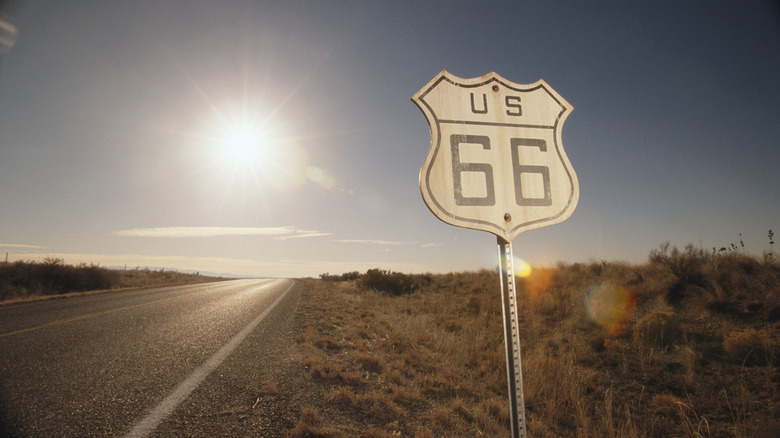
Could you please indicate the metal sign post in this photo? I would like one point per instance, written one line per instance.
(496, 163)
(514, 369)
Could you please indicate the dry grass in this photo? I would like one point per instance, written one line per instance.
(31, 281)
(660, 329)
(139, 278)
(431, 363)
(749, 347)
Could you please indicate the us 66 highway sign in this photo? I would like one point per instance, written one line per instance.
(496, 162)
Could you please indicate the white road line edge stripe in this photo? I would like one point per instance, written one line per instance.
(165, 407)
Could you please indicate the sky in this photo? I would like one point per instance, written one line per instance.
(121, 125)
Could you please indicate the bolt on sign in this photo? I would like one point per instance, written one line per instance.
(496, 162)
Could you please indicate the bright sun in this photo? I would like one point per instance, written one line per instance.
(243, 145)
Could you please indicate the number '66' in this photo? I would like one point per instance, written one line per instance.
(517, 169)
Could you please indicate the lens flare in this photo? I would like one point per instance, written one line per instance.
(320, 177)
(610, 306)
(522, 268)
(538, 282)
(533, 280)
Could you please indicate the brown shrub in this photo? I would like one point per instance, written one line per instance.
(424, 432)
(666, 403)
(495, 408)
(403, 395)
(492, 416)
(326, 344)
(474, 304)
(304, 430)
(309, 426)
(368, 362)
(392, 283)
(443, 416)
(750, 347)
(686, 265)
(436, 386)
(341, 395)
(310, 415)
(53, 277)
(660, 329)
(378, 405)
(394, 376)
(330, 371)
(452, 325)
(459, 407)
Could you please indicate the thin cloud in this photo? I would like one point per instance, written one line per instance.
(19, 245)
(303, 233)
(179, 232)
(387, 242)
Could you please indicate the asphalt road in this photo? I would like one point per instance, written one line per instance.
(192, 360)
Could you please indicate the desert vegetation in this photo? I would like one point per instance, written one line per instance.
(682, 345)
(24, 280)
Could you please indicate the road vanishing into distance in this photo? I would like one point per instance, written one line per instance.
(172, 361)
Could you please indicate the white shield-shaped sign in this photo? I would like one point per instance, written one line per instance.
(496, 162)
